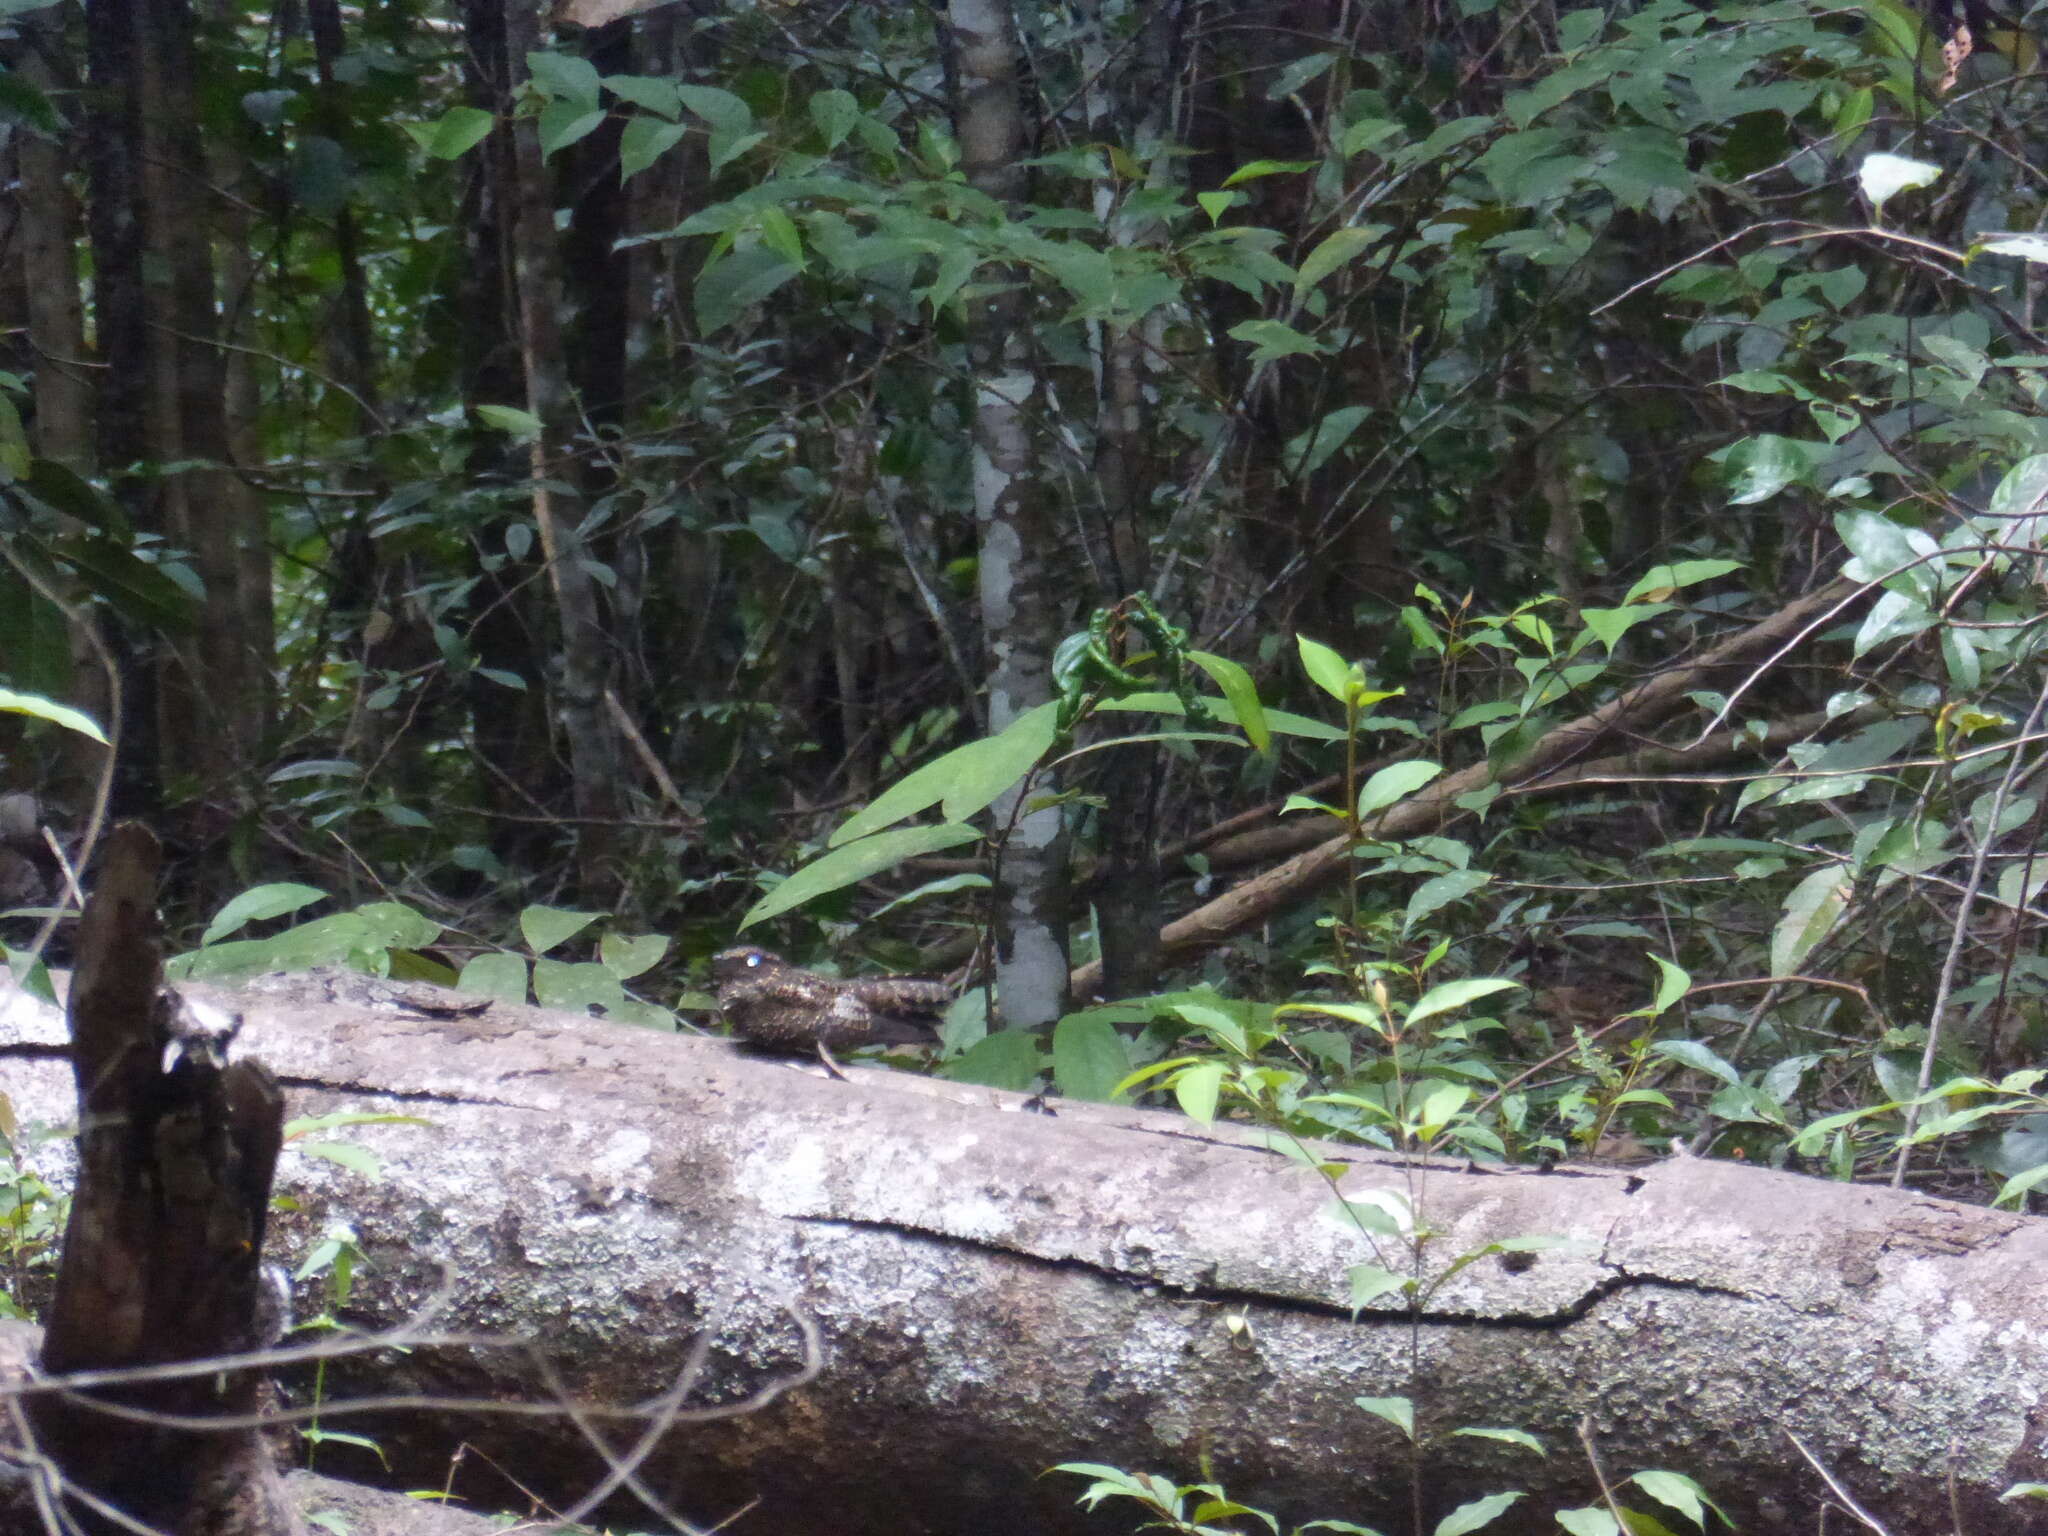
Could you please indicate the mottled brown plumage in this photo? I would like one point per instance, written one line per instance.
(783, 1007)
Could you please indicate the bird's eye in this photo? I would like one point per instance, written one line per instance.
(753, 960)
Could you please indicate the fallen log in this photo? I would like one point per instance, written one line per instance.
(992, 1293)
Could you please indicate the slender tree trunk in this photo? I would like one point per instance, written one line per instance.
(238, 509)
(1128, 105)
(558, 508)
(115, 152)
(48, 228)
(163, 384)
(1020, 568)
(522, 778)
(216, 709)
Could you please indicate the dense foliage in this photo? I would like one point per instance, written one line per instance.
(482, 473)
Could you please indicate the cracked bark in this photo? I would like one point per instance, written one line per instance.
(999, 1292)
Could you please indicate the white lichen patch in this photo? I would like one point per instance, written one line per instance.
(623, 1159)
(788, 1178)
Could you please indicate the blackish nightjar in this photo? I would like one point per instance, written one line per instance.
(782, 1007)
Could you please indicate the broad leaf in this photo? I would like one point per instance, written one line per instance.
(967, 779)
(1392, 783)
(499, 974)
(1477, 1515)
(854, 862)
(545, 927)
(1457, 994)
(1811, 912)
(1241, 693)
(1089, 1058)
(1397, 1411)
(48, 709)
(257, 904)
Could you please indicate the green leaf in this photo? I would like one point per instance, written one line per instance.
(1334, 252)
(1672, 984)
(1394, 782)
(1271, 339)
(1089, 1058)
(21, 101)
(644, 141)
(1697, 1056)
(855, 861)
(453, 134)
(1477, 1515)
(650, 93)
(1198, 1089)
(721, 109)
(48, 709)
(1242, 695)
(344, 1154)
(1588, 1522)
(562, 123)
(564, 77)
(735, 285)
(1660, 581)
(575, 987)
(1521, 1437)
(1438, 892)
(1309, 451)
(727, 147)
(967, 779)
(258, 903)
(1258, 168)
(1326, 669)
(364, 939)
(626, 958)
(1397, 1411)
(1610, 624)
(1369, 1283)
(1438, 1108)
(1009, 1058)
(1681, 1493)
(500, 974)
(835, 113)
(1811, 912)
(523, 425)
(1224, 1028)
(545, 927)
(1457, 994)
(779, 233)
(945, 885)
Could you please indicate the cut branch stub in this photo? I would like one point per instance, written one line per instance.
(162, 1253)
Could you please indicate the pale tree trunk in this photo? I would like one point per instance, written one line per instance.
(585, 672)
(1020, 566)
